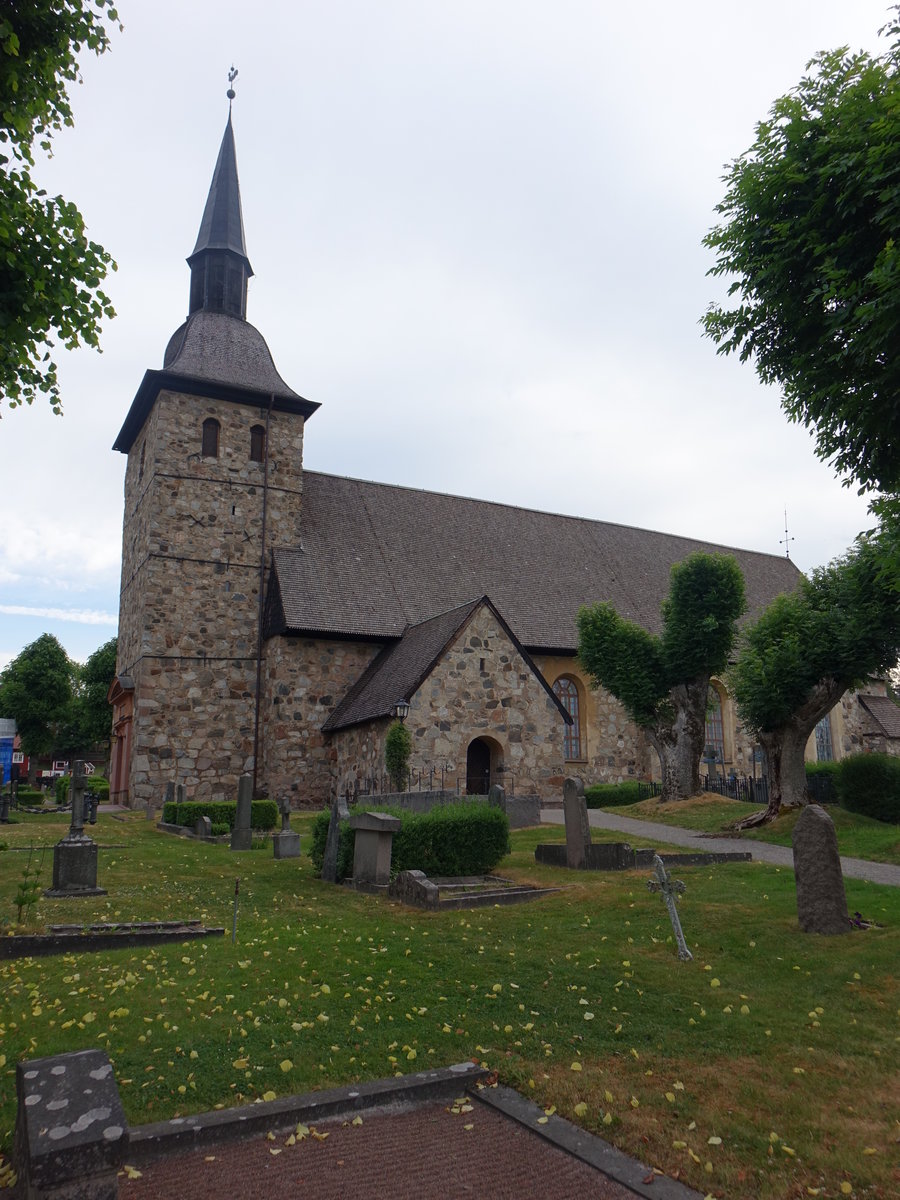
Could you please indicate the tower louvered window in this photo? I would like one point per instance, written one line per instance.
(210, 445)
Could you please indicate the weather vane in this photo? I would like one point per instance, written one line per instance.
(232, 76)
(785, 541)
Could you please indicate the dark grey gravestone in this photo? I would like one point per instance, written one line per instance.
(4, 804)
(71, 1133)
(241, 835)
(286, 844)
(75, 855)
(339, 812)
(497, 796)
(578, 830)
(821, 899)
(203, 827)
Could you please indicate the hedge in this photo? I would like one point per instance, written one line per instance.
(97, 784)
(870, 784)
(453, 839)
(612, 795)
(263, 813)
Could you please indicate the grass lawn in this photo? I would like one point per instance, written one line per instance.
(858, 836)
(764, 1068)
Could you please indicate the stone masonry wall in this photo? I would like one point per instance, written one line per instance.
(192, 546)
(305, 679)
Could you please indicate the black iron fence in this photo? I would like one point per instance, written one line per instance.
(443, 777)
(751, 791)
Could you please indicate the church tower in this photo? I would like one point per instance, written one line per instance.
(213, 482)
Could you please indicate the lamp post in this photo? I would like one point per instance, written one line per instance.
(400, 710)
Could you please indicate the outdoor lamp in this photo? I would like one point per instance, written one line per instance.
(401, 710)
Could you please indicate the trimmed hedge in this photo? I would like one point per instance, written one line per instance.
(97, 784)
(870, 784)
(453, 839)
(612, 795)
(263, 813)
(822, 768)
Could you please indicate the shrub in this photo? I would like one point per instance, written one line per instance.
(62, 789)
(822, 768)
(452, 839)
(397, 749)
(612, 795)
(99, 785)
(220, 828)
(263, 813)
(870, 784)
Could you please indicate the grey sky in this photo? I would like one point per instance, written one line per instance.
(476, 235)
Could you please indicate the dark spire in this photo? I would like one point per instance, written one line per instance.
(219, 264)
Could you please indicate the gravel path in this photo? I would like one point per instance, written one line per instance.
(781, 856)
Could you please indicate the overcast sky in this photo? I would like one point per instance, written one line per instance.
(476, 235)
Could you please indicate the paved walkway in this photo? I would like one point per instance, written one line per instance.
(781, 856)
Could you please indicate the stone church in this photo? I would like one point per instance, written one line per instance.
(272, 619)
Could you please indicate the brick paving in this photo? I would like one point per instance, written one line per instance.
(419, 1154)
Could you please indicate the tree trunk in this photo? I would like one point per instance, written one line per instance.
(679, 743)
(785, 750)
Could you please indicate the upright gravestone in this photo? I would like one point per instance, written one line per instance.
(339, 812)
(75, 856)
(821, 899)
(497, 797)
(372, 848)
(241, 835)
(578, 830)
(286, 844)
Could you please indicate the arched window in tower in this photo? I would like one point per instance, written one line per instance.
(257, 443)
(566, 691)
(715, 732)
(210, 445)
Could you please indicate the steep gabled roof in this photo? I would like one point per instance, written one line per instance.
(222, 224)
(401, 668)
(885, 712)
(377, 558)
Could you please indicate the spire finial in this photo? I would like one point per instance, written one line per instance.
(786, 540)
(232, 76)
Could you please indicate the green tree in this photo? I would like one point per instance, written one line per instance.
(663, 680)
(94, 714)
(51, 269)
(36, 690)
(810, 218)
(840, 628)
(397, 749)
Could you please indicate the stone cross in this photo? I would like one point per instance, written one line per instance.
(339, 812)
(284, 806)
(76, 791)
(821, 899)
(669, 888)
(578, 830)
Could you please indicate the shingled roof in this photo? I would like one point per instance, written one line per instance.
(377, 558)
(885, 712)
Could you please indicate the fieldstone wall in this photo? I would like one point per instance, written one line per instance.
(305, 678)
(189, 606)
(858, 729)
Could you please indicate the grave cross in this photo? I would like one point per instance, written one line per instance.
(669, 887)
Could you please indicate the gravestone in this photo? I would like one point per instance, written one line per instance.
(372, 848)
(242, 835)
(339, 812)
(4, 804)
(497, 797)
(286, 844)
(75, 855)
(203, 827)
(669, 888)
(578, 830)
(821, 899)
(71, 1132)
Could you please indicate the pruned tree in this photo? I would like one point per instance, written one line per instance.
(809, 237)
(36, 690)
(51, 269)
(397, 749)
(663, 680)
(840, 628)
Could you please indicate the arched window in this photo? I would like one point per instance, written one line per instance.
(824, 748)
(257, 443)
(210, 445)
(566, 691)
(715, 733)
